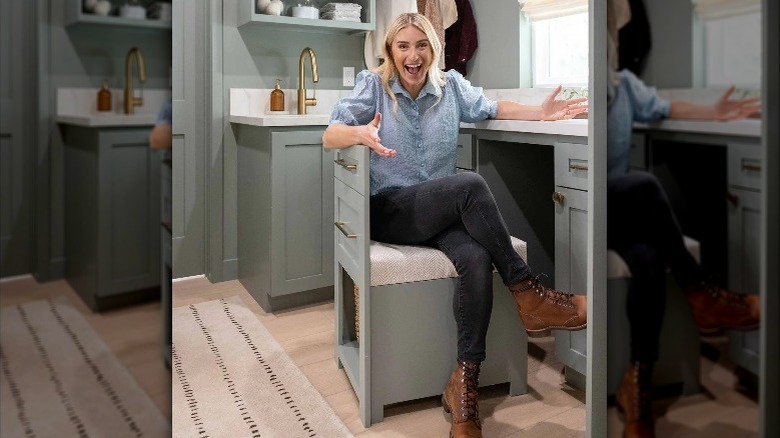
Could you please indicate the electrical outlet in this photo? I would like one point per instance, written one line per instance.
(349, 77)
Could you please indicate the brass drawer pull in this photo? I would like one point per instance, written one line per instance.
(578, 167)
(558, 197)
(341, 162)
(751, 166)
(340, 226)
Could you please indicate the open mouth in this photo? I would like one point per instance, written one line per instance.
(413, 69)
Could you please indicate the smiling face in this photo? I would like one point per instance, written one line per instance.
(412, 54)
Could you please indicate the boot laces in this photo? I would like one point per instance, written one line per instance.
(728, 297)
(469, 398)
(642, 400)
(557, 297)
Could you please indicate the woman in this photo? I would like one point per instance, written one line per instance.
(408, 112)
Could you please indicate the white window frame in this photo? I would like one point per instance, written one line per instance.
(732, 51)
(540, 59)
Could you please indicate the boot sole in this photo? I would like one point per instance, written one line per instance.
(719, 330)
(541, 333)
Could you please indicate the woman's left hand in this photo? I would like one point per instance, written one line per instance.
(552, 109)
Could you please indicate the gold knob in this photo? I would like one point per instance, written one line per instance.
(558, 197)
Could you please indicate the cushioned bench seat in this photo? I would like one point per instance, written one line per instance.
(395, 264)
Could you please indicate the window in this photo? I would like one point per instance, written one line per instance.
(732, 51)
(732, 42)
(559, 41)
(560, 51)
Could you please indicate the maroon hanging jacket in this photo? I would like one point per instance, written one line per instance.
(461, 39)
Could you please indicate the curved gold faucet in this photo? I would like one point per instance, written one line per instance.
(303, 102)
(131, 101)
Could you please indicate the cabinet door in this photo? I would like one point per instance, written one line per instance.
(744, 265)
(465, 152)
(571, 257)
(301, 212)
(128, 212)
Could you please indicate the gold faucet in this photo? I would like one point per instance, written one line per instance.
(303, 101)
(131, 101)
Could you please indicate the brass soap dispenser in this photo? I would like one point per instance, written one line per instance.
(104, 98)
(277, 98)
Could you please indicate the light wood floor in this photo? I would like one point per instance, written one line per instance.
(134, 333)
(550, 409)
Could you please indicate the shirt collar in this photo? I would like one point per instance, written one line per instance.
(397, 88)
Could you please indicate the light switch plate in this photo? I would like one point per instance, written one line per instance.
(349, 77)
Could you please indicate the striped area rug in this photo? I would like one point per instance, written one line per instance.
(60, 379)
(232, 379)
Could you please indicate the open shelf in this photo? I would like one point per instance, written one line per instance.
(75, 15)
(249, 16)
(349, 354)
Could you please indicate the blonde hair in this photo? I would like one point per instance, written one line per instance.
(387, 70)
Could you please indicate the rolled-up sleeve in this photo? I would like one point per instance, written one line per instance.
(359, 107)
(474, 106)
(646, 104)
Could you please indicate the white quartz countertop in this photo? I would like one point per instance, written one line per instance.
(282, 120)
(78, 106)
(746, 128)
(108, 119)
(250, 107)
(577, 128)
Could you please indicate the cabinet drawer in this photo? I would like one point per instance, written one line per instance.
(571, 165)
(465, 152)
(744, 165)
(350, 230)
(351, 167)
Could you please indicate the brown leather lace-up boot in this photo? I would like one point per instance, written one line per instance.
(633, 399)
(543, 309)
(716, 309)
(460, 400)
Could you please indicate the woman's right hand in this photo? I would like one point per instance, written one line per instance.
(369, 136)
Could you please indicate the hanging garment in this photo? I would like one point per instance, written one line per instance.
(449, 13)
(386, 12)
(461, 39)
(634, 39)
(430, 9)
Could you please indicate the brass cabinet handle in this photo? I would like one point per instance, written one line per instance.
(578, 167)
(341, 162)
(558, 197)
(751, 166)
(733, 198)
(340, 226)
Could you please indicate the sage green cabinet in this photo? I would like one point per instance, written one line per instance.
(571, 249)
(285, 215)
(744, 240)
(112, 215)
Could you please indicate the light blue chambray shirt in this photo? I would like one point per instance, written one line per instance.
(423, 132)
(634, 102)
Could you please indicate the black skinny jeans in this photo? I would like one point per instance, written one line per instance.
(642, 228)
(458, 215)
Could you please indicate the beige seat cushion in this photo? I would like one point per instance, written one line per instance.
(617, 267)
(393, 264)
